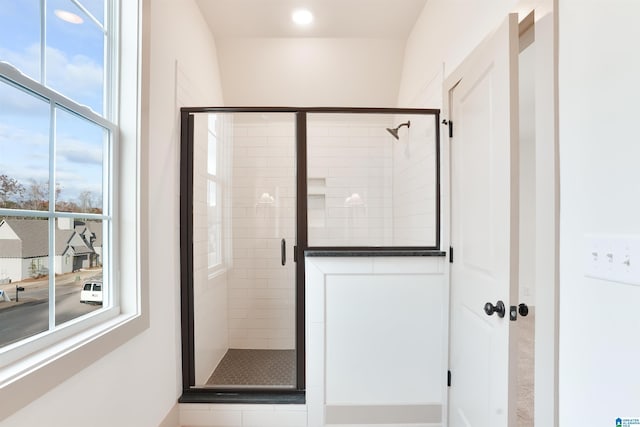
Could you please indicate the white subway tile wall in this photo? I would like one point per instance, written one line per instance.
(365, 188)
(414, 183)
(349, 161)
(261, 298)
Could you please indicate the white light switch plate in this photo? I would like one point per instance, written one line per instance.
(613, 258)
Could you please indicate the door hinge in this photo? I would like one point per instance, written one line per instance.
(295, 254)
(450, 254)
(448, 378)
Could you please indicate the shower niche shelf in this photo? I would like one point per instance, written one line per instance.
(316, 201)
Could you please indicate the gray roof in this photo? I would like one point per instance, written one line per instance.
(81, 250)
(10, 248)
(34, 239)
(94, 227)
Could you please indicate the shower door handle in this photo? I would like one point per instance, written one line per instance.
(283, 252)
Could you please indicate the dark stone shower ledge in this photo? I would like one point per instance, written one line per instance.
(372, 252)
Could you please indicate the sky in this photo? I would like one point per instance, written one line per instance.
(74, 67)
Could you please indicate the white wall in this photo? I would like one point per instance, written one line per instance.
(599, 151)
(303, 72)
(445, 33)
(11, 268)
(138, 384)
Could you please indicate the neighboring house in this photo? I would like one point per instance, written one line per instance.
(24, 248)
(90, 233)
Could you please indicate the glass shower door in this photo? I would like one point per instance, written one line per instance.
(244, 234)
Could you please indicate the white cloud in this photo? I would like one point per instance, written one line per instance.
(29, 154)
(12, 136)
(77, 151)
(78, 163)
(77, 77)
(28, 62)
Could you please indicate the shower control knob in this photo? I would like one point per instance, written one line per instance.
(523, 309)
(499, 308)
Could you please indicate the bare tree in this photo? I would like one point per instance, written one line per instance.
(11, 192)
(86, 201)
(37, 195)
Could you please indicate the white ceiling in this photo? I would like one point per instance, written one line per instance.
(387, 19)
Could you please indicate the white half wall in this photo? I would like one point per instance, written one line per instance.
(139, 383)
(599, 151)
(375, 344)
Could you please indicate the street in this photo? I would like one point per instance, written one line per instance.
(31, 315)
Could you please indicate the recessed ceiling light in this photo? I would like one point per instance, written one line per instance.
(68, 16)
(302, 17)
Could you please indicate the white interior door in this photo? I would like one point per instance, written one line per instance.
(483, 106)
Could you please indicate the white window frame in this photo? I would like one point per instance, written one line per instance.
(42, 362)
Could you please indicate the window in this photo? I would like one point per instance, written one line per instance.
(69, 188)
(56, 168)
(214, 194)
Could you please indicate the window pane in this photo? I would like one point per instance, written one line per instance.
(212, 149)
(74, 54)
(20, 35)
(79, 163)
(24, 144)
(213, 225)
(24, 278)
(96, 8)
(212, 194)
(79, 250)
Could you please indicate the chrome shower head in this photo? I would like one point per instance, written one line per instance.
(394, 131)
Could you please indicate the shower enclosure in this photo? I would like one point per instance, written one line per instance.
(259, 188)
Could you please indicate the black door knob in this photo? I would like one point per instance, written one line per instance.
(498, 308)
(523, 309)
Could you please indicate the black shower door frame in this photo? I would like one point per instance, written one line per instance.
(192, 394)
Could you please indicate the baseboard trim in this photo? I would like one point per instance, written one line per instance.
(383, 414)
(172, 419)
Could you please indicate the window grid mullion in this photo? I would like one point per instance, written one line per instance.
(52, 218)
(90, 15)
(43, 41)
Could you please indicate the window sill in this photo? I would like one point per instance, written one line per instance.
(34, 375)
(216, 271)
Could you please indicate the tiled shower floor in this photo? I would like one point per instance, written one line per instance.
(255, 368)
